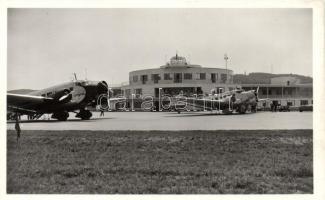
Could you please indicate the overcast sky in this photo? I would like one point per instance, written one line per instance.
(45, 46)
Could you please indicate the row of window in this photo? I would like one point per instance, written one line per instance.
(138, 92)
(291, 103)
(178, 77)
(279, 92)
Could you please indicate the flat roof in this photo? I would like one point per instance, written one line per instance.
(177, 67)
(275, 85)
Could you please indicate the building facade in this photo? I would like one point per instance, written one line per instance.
(285, 90)
(178, 77)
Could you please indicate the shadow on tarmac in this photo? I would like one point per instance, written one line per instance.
(205, 114)
(57, 121)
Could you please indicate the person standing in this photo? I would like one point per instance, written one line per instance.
(233, 100)
(17, 127)
(102, 113)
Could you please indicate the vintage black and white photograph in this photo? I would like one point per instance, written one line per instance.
(160, 101)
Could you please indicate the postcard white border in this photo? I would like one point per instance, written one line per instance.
(318, 77)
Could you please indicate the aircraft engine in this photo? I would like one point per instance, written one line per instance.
(102, 88)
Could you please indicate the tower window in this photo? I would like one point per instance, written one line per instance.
(213, 77)
(135, 78)
(144, 79)
(187, 76)
(177, 77)
(167, 76)
(155, 78)
(202, 76)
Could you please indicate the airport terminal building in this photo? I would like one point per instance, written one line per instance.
(180, 77)
(177, 77)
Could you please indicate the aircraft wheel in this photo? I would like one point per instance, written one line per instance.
(254, 109)
(249, 108)
(61, 116)
(227, 112)
(84, 114)
(242, 109)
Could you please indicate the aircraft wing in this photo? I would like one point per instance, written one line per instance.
(116, 99)
(211, 100)
(264, 99)
(25, 103)
(207, 103)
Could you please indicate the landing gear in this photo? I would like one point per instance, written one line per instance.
(249, 108)
(254, 109)
(242, 109)
(61, 116)
(84, 114)
(227, 111)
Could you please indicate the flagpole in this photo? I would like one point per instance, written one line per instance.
(226, 60)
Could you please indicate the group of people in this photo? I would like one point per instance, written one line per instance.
(274, 107)
(278, 107)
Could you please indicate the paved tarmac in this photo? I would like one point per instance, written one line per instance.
(174, 121)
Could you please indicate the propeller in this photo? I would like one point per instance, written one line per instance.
(103, 92)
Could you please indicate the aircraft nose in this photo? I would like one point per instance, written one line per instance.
(102, 87)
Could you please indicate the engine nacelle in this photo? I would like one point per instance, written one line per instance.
(102, 88)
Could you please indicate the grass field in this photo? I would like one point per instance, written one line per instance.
(191, 162)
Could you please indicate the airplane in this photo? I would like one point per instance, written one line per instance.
(238, 100)
(58, 100)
